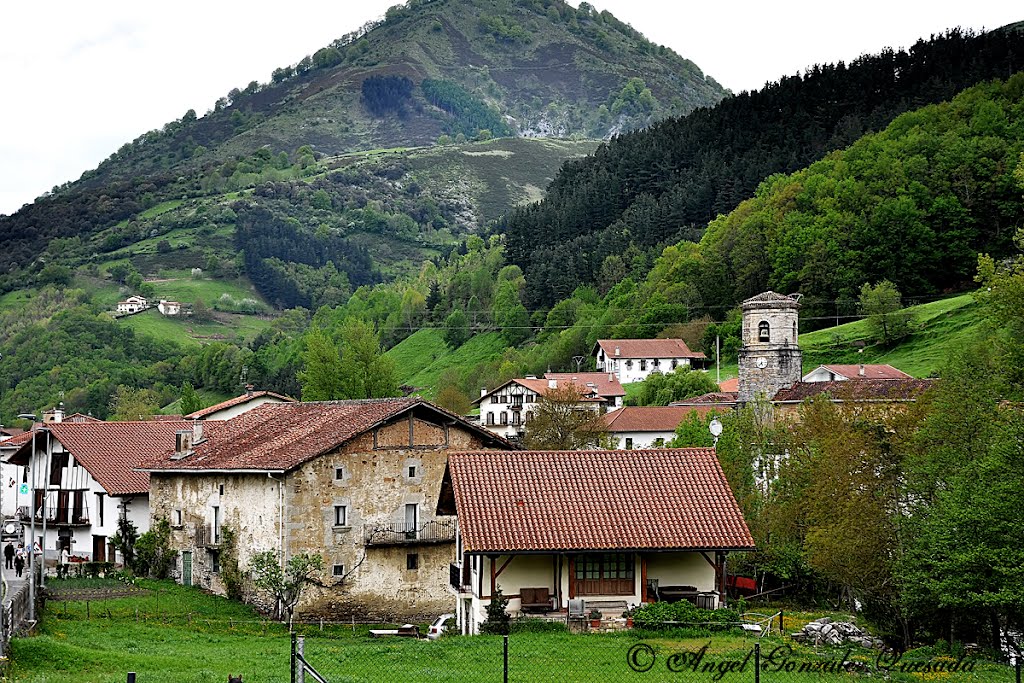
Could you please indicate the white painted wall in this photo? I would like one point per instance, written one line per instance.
(641, 440)
(236, 410)
(535, 571)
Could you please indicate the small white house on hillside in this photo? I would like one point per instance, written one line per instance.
(508, 409)
(169, 307)
(632, 360)
(839, 373)
(132, 304)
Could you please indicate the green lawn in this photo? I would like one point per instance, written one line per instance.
(173, 634)
(188, 332)
(423, 356)
(941, 328)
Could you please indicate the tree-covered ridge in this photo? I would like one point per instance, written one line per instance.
(664, 183)
(913, 204)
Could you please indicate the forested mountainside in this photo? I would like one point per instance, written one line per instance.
(431, 71)
(653, 187)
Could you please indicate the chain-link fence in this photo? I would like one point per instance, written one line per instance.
(629, 656)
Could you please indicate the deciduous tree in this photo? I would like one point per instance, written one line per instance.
(563, 421)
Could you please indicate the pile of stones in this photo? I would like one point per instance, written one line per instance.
(824, 631)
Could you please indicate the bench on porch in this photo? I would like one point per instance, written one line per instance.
(677, 593)
(532, 599)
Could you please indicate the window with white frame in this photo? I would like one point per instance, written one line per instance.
(340, 515)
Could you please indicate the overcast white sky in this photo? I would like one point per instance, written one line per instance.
(79, 79)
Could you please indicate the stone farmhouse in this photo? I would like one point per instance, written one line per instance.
(353, 481)
(632, 360)
(610, 528)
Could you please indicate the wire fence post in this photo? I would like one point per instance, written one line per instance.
(782, 622)
(293, 657)
(1018, 668)
(505, 667)
(131, 677)
(757, 662)
(300, 648)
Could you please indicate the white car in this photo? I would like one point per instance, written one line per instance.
(440, 625)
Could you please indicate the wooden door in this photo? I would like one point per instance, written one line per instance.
(605, 574)
(186, 568)
(99, 548)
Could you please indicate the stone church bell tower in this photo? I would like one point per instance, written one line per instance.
(769, 358)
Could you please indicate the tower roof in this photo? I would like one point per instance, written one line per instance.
(770, 300)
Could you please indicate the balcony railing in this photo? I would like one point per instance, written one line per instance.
(458, 578)
(63, 516)
(206, 538)
(409, 534)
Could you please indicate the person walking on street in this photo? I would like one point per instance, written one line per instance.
(9, 556)
(19, 565)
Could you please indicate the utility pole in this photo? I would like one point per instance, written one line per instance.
(46, 493)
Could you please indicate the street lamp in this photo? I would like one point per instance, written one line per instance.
(715, 427)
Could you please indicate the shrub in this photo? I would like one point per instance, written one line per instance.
(529, 625)
(497, 622)
(669, 615)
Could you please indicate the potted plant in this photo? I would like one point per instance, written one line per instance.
(628, 616)
(595, 618)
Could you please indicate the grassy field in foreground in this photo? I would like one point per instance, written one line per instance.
(173, 634)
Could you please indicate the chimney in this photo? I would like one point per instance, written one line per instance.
(611, 376)
(617, 351)
(483, 391)
(861, 370)
(197, 431)
(552, 384)
(182, 443)
(54, 414)
(248, 389)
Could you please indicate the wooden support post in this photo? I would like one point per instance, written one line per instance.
(643, 578)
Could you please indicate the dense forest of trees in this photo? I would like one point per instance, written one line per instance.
(656, 186)
(913, 205)
(386, 94)
(469, 113)
(275, 250)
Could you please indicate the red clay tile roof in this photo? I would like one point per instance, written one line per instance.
(647, 348)
(652, 418)
(16, 440)
(595, 500)
(721, 397)
(857, 390)
(279, 437)
(730, 385)
(237, 400)
(110, 451)
(590, 381)
(870, 371)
